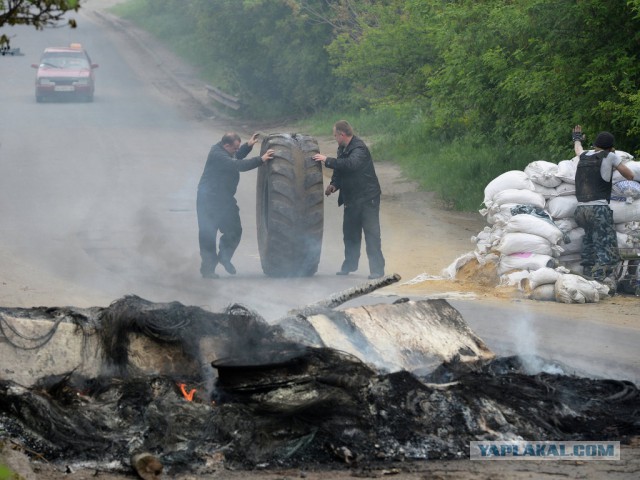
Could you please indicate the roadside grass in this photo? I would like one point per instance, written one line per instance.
(458, 170)
(456, 167)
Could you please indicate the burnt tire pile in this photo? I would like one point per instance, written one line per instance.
(290, 207)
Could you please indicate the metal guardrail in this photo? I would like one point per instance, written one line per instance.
(223, 98)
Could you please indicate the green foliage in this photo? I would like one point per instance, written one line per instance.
(457, 91)
(36, 13)
(386, 61)
(267, 52)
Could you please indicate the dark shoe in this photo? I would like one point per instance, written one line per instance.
(210, 275)
(228, 266)
(373, 276)
(343, 272)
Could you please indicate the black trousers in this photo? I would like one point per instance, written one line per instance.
(217, 216)
(359, 218)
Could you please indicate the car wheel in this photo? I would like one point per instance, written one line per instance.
(39, 98)
(290, 207)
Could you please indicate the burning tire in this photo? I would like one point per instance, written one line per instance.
(290, 208)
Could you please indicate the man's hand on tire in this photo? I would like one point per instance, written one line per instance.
(268, 155)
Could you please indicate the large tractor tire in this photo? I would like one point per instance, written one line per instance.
(290, 207)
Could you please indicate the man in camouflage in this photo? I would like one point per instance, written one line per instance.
(599, 256)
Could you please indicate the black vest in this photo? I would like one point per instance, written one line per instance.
(589, 183)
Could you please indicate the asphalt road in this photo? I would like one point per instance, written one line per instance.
(102, 195)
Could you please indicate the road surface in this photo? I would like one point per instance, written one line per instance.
(97, 201)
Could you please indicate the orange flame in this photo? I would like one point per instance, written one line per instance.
(183, 389)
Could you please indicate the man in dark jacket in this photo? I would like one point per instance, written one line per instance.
(593, 191)
(216, 204)
(355, 177)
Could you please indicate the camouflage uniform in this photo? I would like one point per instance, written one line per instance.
(599, 244)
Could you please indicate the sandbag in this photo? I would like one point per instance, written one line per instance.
(546, 192)
(575, 244)
(567, 170)
(627, 241)
(624, 156)
(566, 224)
(626, 191)
(543, 173)
(516, 242)
(562, 207)
(519, 197)
(524, 261)
(487, 239)
(533, 224)
(498, 214)
(545, 293)
(542, 276)
(515, 179)
(630, 228)
(514, 278)
(566, 188)
(574, 266)
(625, 212)
(571, 288)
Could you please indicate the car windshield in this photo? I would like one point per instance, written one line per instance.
(65, 60)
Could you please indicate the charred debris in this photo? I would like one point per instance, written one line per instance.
(247, 392)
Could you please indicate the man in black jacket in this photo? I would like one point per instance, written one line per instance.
(355, 177)
(216, 205)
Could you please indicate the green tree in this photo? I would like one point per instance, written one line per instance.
(385, 53)
(37, 13)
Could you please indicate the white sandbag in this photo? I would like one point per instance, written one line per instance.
(524, 261)
(624, 156)
(566, 224)
(566, 188)
(543, 173)
(487, 239)
(526, 223)
(575, 244)
(514, 278)
(567, 170)
(499, 214)
(546, 192)
(574, 266)
(516, 242)
(562, 207)
(542, 276)
(633, 165)
(571, 262)
(519, 197)
(544, 293)
(627, 241)
(512, 179)
(571, 288)
(625, 212)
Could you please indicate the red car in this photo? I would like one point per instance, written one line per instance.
(65, 72)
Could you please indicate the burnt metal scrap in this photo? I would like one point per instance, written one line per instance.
(315, 408)
(247, 393)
